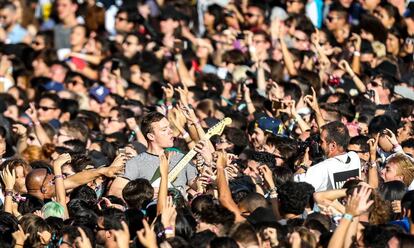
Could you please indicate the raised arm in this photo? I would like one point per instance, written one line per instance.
(9, 179)
(224, 192)
(59, 183)
(163, 191)
(37, 126)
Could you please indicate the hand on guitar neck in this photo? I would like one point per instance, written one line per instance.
(164, 163)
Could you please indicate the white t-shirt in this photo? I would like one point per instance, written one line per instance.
(332, 173)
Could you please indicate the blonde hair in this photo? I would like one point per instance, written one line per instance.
(405, 166)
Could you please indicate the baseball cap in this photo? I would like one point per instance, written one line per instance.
(53, 86)
(99, 93)
(271, 125)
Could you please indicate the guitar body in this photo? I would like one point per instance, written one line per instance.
(174, 172)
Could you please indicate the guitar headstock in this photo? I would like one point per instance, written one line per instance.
(219, 127)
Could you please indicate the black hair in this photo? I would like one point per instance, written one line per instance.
(381, 122)
(202, 239)
(70, 106)
(85, 193)
(223, 242)
(8, 225)
(263, 158)
(146, 124)
(112, 218)
(292, 90)
(282, 174)
(138, 193)
(236, 137)
(30, 204)
(407, 200)
(293, 197)
(360, 140)
(392, 190)
(337, 132)
(53, 97)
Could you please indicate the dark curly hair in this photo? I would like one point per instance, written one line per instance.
(294, 197)
(264, 158)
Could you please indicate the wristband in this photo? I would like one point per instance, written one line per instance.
(357, 54)
(347, 217)
(185, 135)
(8, 192)
(59, 176)
(169, 230)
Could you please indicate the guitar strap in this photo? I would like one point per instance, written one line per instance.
(157, 174)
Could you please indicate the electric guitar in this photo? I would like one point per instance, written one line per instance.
(174, 172)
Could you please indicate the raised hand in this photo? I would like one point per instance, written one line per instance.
(267, 175)
(204, 150)
(83, 241)
(32, 113)
(221, 159)
(61, 160)
(391, 137)
(168, 92)
(359, 202)
(164, 163)
(373, 145)
(183, 92)
(311, 100)
(169, 214)
(19, 236)
(122, 236)
(9, 178)
(147, 236)
(19, 129)
(344, 65)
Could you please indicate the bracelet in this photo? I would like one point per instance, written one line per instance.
(273, 189)
(169, 230)
(185, 135)
(357, 53)
(347, 217)
(59, 176)
(8, 192)
(273, 195)
(18, 245)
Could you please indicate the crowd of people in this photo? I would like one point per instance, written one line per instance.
(209, 123)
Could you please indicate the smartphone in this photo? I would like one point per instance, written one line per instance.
(115, 65)
(122, 150)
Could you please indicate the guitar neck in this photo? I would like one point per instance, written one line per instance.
(173, 174)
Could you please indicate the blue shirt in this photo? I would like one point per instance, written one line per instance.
(16, 35)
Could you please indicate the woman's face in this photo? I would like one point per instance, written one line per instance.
(20, 185)
(208, 19)
(78, 36)
(384, 17)
(38, 43)
(393, 44)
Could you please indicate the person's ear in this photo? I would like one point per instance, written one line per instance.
(150, 136)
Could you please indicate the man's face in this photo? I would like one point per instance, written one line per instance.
(77, 85)
(65, 9)
(369, 5)
(121, 22)
(254, 16)
(294, 6)
(130, 46)
(62, 136)
(162, 134)
(260, 44)
(364, 155)
(391, 173)
(168, 26)
(252, 168)
(404, 132)
(113, 124)
(7, 17)
(334, 21)
(324, 144)
(224, 144)
(301, 40)
(47, 110)
(57, 73)
(257, 138)
(107, 105)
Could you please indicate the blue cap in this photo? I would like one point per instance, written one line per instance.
(53, 86)
(99, 93)
(271, 125)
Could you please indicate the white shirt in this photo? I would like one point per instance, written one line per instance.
(332, 173)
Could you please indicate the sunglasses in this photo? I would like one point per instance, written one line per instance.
(121, 18)
(250, 15)
(331, 18)
(357, 151)
(45, 108)
(376, 84)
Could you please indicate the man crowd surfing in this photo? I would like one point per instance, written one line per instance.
(209, 123)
